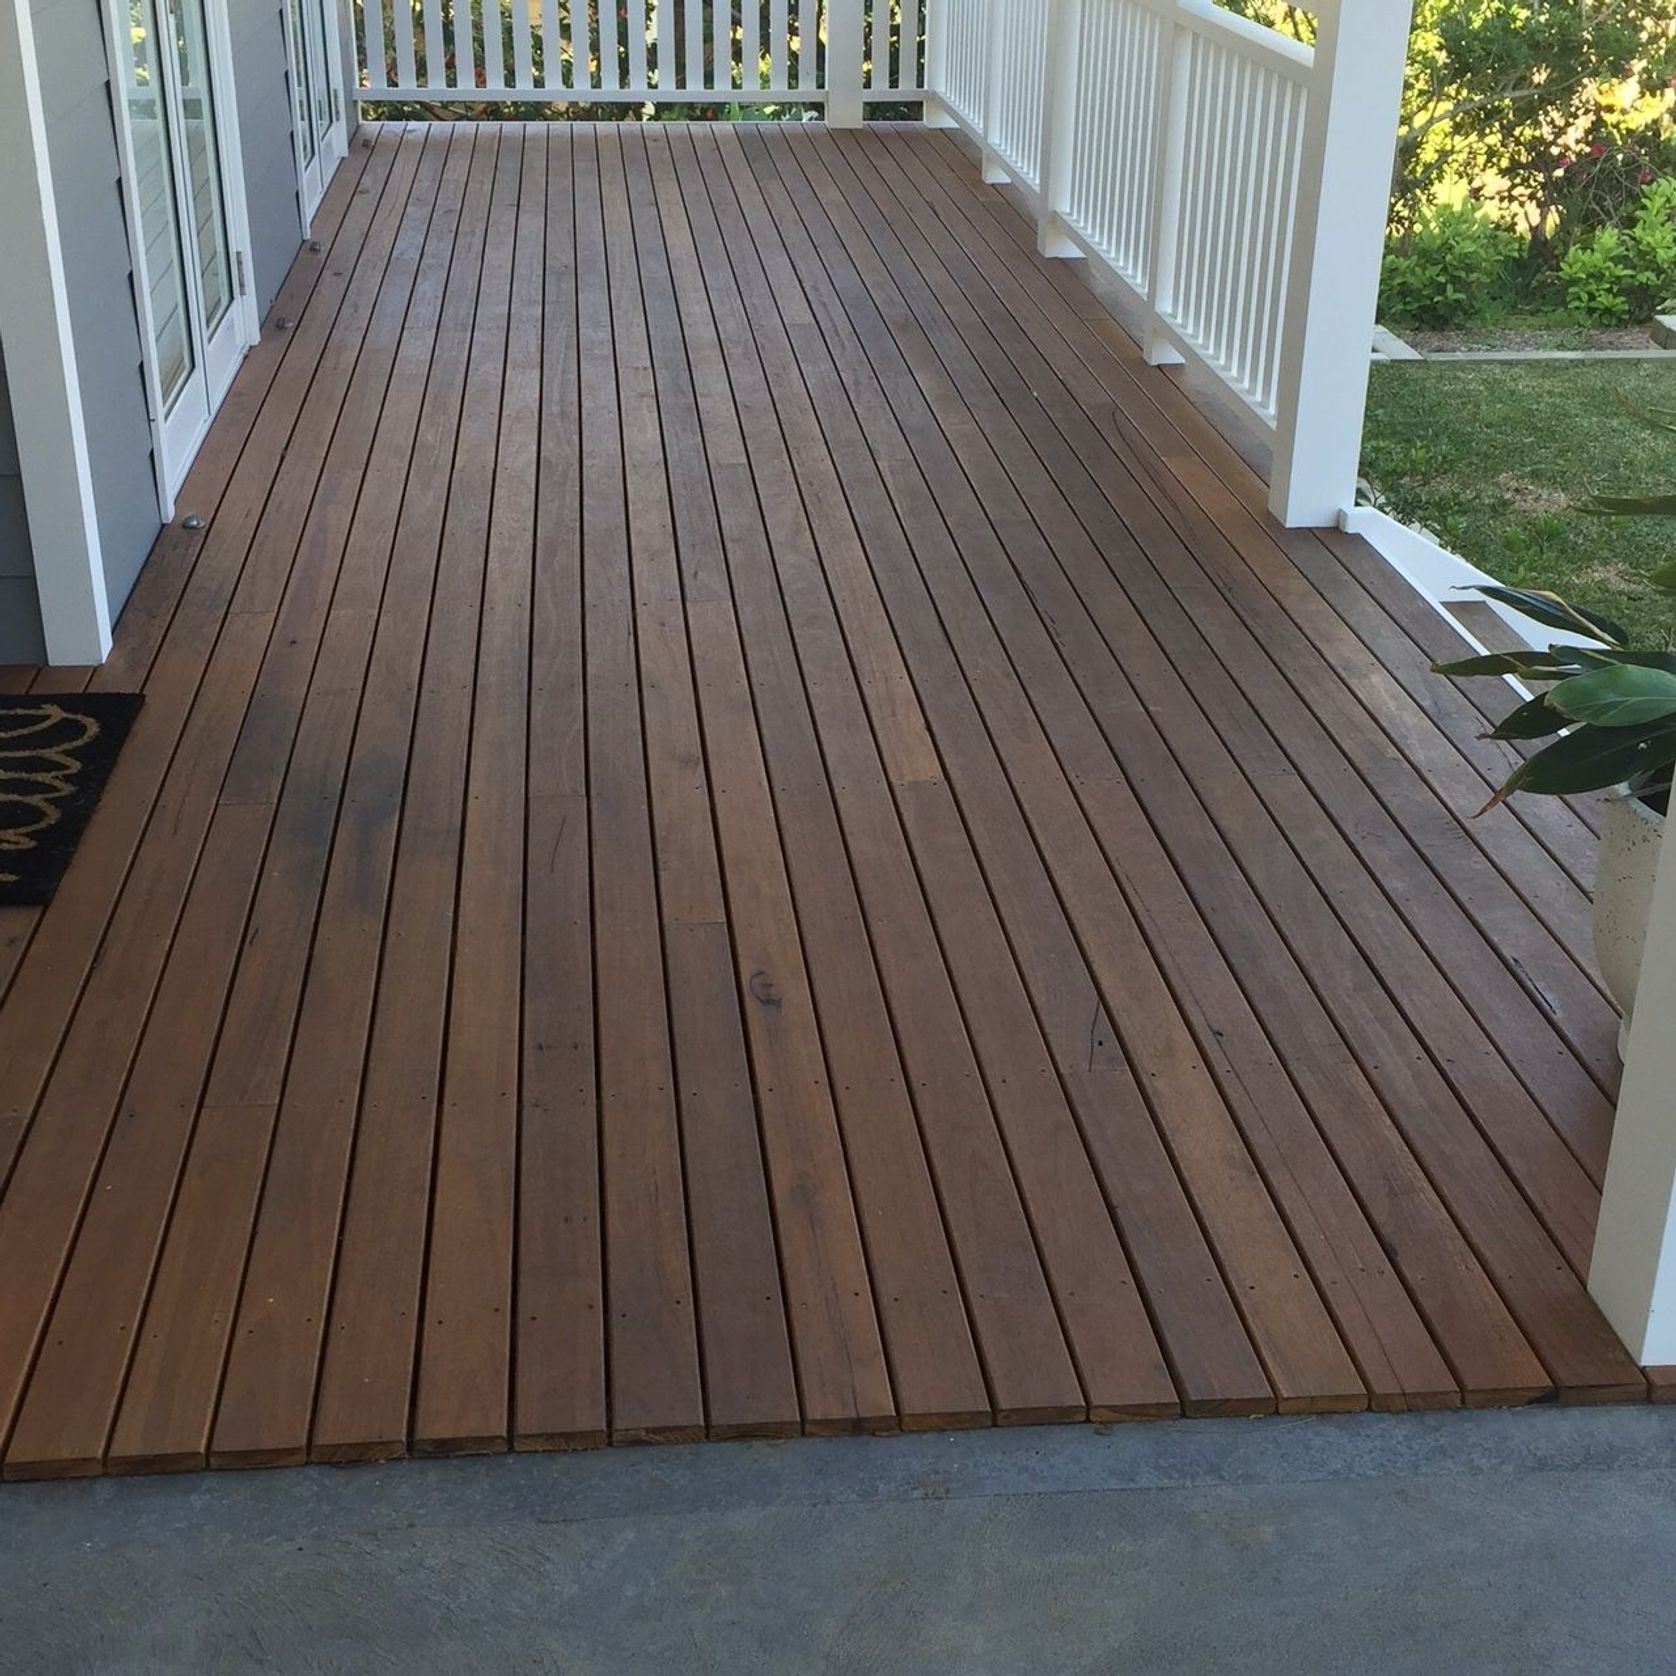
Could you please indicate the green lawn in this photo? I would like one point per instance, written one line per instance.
(1489, 456)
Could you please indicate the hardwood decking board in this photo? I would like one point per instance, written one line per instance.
(267, 1395)
(933, 1360)
(1492, 987)
(743, 825)
(463, 1381)
(1146, 595)
(1300, 1343)
(1426, 1368)
(66, 939)
(1105, 1363)
(170, 1394)
(841, 1372)
(653, 1357)
(559, 1379)
(1420, 1105)
(1588, 1135)
(1126, 728)
(1429, 1385)
(746, 1346)
(1100, 349)
(63, 1424)
(73, 1389)
(1010, 1305)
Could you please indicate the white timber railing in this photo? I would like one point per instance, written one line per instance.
(1235, 180)
(838, 54)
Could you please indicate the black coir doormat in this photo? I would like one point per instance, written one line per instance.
(56, 753)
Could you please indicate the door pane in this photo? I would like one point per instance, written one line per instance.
(305, 80)
(319, 80)
(154, 187)
(209, 215)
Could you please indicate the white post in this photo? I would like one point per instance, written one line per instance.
(937, 114)
(844, 51)
(1061, 67)
(992, 169)
(1633, 1274)
(41, 366)
(1344, 195)
(1169, 159)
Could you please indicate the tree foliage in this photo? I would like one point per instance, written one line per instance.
(1549, 109)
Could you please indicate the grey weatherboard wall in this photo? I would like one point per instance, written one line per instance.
(82, 148)
(262, 81)
(20, 608)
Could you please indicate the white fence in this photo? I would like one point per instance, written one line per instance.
(1234, 179)
(649, 52)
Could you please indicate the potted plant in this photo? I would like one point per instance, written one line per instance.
(1608, 712)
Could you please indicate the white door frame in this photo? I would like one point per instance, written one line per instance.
(40, 358)
(173, 448)
(314, 174)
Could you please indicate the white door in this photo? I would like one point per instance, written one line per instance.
(185, 202)
(322, 130)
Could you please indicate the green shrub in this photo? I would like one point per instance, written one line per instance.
(1597, 276)
(1614, 275)
(1450, 269)
(1653, 236)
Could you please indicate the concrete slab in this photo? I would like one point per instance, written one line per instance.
(1525, 1542)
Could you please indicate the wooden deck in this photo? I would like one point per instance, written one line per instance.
(742, 826)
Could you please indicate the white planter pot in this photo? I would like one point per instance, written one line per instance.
(1631, 835)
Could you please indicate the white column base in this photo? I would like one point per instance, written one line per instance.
(1633, 1274)
(1160, 352)
(1053, 240)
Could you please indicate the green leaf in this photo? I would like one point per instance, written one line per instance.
(1621, 695)
(1629, 506)
(1538, 665)
(1660, 418)
(1665, 577)
(1640, 660)
(1591, 759)
(1535, 719)
(1555, 613)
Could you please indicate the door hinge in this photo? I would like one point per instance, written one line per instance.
(238, 263)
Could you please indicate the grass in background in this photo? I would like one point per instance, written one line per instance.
(1490, 456)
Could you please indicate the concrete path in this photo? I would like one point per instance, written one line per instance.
(1520, 1542)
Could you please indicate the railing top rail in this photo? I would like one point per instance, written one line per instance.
(1251, 40)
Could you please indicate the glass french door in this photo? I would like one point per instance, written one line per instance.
(187, 266)
(317, 87)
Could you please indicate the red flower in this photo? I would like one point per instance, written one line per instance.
(1597, 150)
